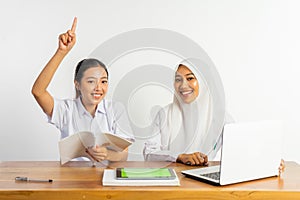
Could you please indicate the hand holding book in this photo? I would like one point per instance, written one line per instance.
(86, 144)
(98, 153)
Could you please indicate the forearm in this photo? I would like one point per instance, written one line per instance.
(153, 152)
(117, 156)
(46, 75)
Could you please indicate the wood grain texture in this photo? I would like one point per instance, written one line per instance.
(79, 180)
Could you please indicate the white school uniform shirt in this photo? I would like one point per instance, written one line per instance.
(70, 117)
(155, 148)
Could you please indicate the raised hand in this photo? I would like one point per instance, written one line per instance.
(68, 39)
(39, 89)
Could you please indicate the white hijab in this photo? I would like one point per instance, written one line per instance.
(186, 126)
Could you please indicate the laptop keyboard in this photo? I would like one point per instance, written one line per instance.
(214, 175)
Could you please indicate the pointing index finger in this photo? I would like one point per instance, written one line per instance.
(74, 25)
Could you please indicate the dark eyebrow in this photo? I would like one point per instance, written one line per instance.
(103, 77)
(190, 74)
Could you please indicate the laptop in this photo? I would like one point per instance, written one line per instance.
(250, 151)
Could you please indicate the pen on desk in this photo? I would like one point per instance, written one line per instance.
(19, 178)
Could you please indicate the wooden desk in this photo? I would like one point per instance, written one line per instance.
(78, 180)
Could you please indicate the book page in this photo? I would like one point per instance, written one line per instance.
(75, 145)
(112, 141)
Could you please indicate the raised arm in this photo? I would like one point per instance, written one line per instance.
(39, 88)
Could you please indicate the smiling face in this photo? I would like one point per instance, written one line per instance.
(93, 87)
(186, 84)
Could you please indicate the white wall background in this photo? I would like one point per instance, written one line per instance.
(253, 43)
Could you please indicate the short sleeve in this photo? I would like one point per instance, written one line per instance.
(60, 113)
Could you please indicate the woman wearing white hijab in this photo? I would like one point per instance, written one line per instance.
(189, 129)
(183, 130)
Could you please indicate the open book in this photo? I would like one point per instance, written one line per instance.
(75, 145)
